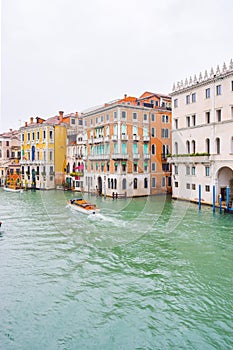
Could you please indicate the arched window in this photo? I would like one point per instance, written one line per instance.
(145, 182)
(217, 145)
(207, 146)
(109, 183)
(124, 184)
(74, 167)
(176, 147)
(193, 146)
(135, 183)
(115, 184)
(8, 153)
(188, 147)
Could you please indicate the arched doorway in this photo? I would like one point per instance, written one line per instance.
(224, 175)
(100, 185)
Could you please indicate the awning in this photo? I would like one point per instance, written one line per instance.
(135, 163)
(123, 163)
(115, 164)
(145, 164)
(102, 164)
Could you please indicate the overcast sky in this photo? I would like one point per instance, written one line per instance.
(73, 54)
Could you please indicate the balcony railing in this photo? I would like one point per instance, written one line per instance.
(189, 158)
(136, 156)
(146, 156)
(124, 137)
(146, 138)
(116, 156)
(106, 139)
(136, 138)
(114, 137)
(99, 157)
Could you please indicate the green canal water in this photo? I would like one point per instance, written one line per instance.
(147, 273)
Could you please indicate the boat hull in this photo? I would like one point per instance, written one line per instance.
(82, 210)
(16, 190)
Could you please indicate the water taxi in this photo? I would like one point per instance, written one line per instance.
(83, 206)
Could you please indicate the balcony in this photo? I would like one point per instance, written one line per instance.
(146, 138)
(146, 156)
(114, 137)
(99, 157)
(124, 137)
(136, 138)
(106, 139)
(98, 139)
(196, 158)
(136, 156)
(120, 156)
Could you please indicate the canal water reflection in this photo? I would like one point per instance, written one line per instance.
(146, 273)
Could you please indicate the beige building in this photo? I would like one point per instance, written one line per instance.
(9, 153)
(125, 146)
(202, 135)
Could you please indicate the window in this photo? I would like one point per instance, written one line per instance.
(176, 147)
(115, 115)
(145, 182)
(176, 123)
(194, 119)
(123, 114)
(219, 115)
(193, 186)
(207, 117)
(134, 116)
(33, 136)
(135, 167)
(153, 149)
(165, 166)
(217, 144)
(176, 102)
(163, 181)
(207, 93)
(193, 146)
(153, 167)
(107, 117)
(124, 184)
(153, 132)
(188, 122)
(188, 147)
(153, 184)
(218, 90)
(207, 145)
(176, 169)
(50, 155)
(135, 129)
(187, 99)
(176, 184)
(28, 136)
(232, 85)
(115, 167)
(44, 134)
(145, 167)
(207, 171)
(165, 118)
(194, 97)
(145, 117)
(50, 134)
(165, 133)
(187, 170)
(188, 186)
(193, 170)
(23, 137)
(207, 188)
(102, 118)
(108, 166)
(135, 183)
(124, 149)
(38, 135)
(152, 117)
(135, 148)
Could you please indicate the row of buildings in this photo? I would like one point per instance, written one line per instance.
(134, 146)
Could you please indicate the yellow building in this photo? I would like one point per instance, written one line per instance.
(43, 152)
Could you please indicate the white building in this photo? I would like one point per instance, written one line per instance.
(202, 135)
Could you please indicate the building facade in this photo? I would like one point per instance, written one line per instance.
(202, 136)
(43, 153)
(125, 146)
(10, 153)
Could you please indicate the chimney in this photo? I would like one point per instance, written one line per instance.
(125, 95)
(10, 130)
(26, 124)
(31, 120)
(76, 114)
(61, 113)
